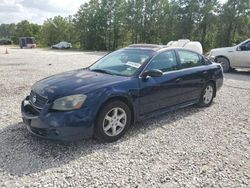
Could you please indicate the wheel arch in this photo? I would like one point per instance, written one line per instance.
(122, 99)
(214, 83)
(225, 57)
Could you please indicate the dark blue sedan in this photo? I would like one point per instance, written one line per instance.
(126, 86)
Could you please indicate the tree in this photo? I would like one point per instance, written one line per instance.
(56, 30)
(186, 16)
(90, 23)
(26, 29)
(234, 16)
(7, 30)
(205, 29)
(111, 24)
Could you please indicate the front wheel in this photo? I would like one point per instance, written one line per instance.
(224, 63)
(112, 121)
(207, 95)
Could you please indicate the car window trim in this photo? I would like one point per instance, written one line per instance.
(152, 58)
(186, 50)
(184, 69)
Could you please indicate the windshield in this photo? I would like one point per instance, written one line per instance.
(123, 62)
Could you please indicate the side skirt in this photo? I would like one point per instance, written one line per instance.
(168, 109)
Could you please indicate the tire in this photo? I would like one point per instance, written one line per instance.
(224, 63)
(109, 126)
(207, 95)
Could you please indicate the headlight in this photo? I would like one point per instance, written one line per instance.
(71, 102)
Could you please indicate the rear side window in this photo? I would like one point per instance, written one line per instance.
(165, 61)
(190, 59)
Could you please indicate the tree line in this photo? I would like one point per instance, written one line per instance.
(111, 24)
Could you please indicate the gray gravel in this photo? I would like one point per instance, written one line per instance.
(192, 147)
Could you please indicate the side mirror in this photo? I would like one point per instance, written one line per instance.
(152, 73)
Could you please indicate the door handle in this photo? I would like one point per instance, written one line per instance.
(178, 80)
(204, 72)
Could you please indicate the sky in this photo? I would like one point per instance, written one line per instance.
(37, 11)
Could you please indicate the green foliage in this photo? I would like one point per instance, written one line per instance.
(7, 30)
(234, 22)
(21, 29)
(56, 30)
(111, 24)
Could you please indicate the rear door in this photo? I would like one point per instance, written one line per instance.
(194, 73)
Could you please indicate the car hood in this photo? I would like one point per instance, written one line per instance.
(74, 82)
(223, 50)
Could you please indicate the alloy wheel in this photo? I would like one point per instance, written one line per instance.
(208, 94)
(114, 121)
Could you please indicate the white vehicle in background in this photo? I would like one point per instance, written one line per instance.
(232, 57)
(187, 44)
(62, 45)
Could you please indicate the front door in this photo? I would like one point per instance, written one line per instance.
(243, 56)
(160, 92)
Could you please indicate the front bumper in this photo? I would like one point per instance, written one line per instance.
(57, 125)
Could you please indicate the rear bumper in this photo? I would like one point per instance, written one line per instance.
(65, 126)
(31, 45)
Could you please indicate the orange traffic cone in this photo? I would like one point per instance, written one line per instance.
(6, 51)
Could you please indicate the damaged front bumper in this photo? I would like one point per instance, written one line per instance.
(58, 125)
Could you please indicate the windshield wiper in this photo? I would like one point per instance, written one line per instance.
(100, 70)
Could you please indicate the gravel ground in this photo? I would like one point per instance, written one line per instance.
(192, 147)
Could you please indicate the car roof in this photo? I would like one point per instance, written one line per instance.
(155, 47)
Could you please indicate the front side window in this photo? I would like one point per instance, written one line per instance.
(123, 62)
(190, 59)
(165, 61)
(246, 46)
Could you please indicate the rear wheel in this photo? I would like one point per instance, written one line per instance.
(112, 121)
(207, 95)
(224, 63)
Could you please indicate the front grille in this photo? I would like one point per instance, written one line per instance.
(30, 110)
(39, 100)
